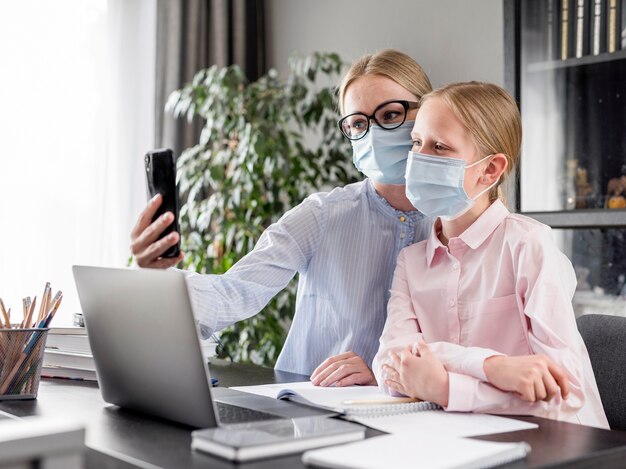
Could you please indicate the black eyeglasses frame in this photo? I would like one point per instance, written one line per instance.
(405, 104)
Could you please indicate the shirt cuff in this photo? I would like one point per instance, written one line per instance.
(474, 364)
(461, 392)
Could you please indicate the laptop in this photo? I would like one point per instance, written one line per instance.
(146, 349)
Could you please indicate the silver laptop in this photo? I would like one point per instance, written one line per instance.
(146, 349)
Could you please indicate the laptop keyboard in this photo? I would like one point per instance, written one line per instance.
(234, 414)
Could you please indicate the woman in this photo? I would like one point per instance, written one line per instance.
(343, 243)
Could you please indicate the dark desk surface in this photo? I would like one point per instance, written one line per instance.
(117, 438)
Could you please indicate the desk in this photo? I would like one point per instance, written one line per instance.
(117, 438)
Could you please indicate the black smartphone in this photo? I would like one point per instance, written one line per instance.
(161, 179)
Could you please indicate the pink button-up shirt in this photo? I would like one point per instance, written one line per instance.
(501, 287)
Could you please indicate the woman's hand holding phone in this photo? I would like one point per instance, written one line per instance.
(146, 246)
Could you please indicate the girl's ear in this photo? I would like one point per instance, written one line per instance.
(494, 170)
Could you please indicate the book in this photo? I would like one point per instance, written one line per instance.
(568, 29)
(350, 400)
(553, 38)
(598, 27)
(72, 342)
(423, 450)
(81, 331)
(623, 24)
(369, 406)
(582, 28)
(68, 373)
(57, 358)
(613, 26)
(256, 440)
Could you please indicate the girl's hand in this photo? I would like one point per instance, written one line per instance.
(345, 369)
(422, 376)
(531, 377)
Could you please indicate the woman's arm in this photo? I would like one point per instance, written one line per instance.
(284, 248)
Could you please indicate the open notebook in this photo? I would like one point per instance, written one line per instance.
(423, 450)
(352, 400)
(369, 406)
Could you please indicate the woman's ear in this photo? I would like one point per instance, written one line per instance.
(494, 170)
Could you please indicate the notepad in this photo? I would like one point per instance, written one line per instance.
(351, 400)
(417, 450)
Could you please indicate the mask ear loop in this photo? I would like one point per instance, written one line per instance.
(492, 185)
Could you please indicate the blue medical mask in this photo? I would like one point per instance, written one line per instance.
(381, 154)
(434, 185)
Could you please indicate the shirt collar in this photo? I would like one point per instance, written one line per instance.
(385, 207)
(473, 236)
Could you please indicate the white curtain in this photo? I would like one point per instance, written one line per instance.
(76, 116)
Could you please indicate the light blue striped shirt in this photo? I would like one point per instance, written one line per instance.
(344, 244)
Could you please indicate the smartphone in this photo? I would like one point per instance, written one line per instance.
(161, 179)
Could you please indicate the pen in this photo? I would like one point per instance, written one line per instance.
(397, 400)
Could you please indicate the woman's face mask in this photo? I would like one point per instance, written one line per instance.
(434, 185)
(382, 154)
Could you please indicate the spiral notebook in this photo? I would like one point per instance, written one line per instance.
(352, 400)
(369, 406)
(410, 451)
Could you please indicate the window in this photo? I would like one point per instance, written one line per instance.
(77, 115)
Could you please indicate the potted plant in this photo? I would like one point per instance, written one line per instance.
(251, 165)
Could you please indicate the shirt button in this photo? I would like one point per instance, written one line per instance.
(455, 266)
(452, 303)
(402, 218)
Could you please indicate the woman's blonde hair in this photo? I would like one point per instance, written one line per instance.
(392, 64)
(492, 117)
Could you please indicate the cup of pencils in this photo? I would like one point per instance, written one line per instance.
(22, 345)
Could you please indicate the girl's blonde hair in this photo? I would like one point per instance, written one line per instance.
(392, 64)
(492, 117)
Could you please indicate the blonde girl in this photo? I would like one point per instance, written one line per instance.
(480, 315)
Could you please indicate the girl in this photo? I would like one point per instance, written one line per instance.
(488, 290)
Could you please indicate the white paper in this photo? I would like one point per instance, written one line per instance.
(452, 424)
(411, 451)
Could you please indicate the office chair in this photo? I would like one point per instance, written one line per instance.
(605, 338)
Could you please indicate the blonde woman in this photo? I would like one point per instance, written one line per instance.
(342, 243)
(480, 316)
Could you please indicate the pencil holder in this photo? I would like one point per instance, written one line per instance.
(21, 356)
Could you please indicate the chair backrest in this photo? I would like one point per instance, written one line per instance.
(605, 338)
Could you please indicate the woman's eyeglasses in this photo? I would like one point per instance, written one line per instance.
(389, 115)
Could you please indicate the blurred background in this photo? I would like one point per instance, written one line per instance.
(84, 85)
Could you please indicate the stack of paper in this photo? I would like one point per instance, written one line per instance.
(68, 354)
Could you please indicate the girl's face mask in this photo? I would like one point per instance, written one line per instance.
(434, 185)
